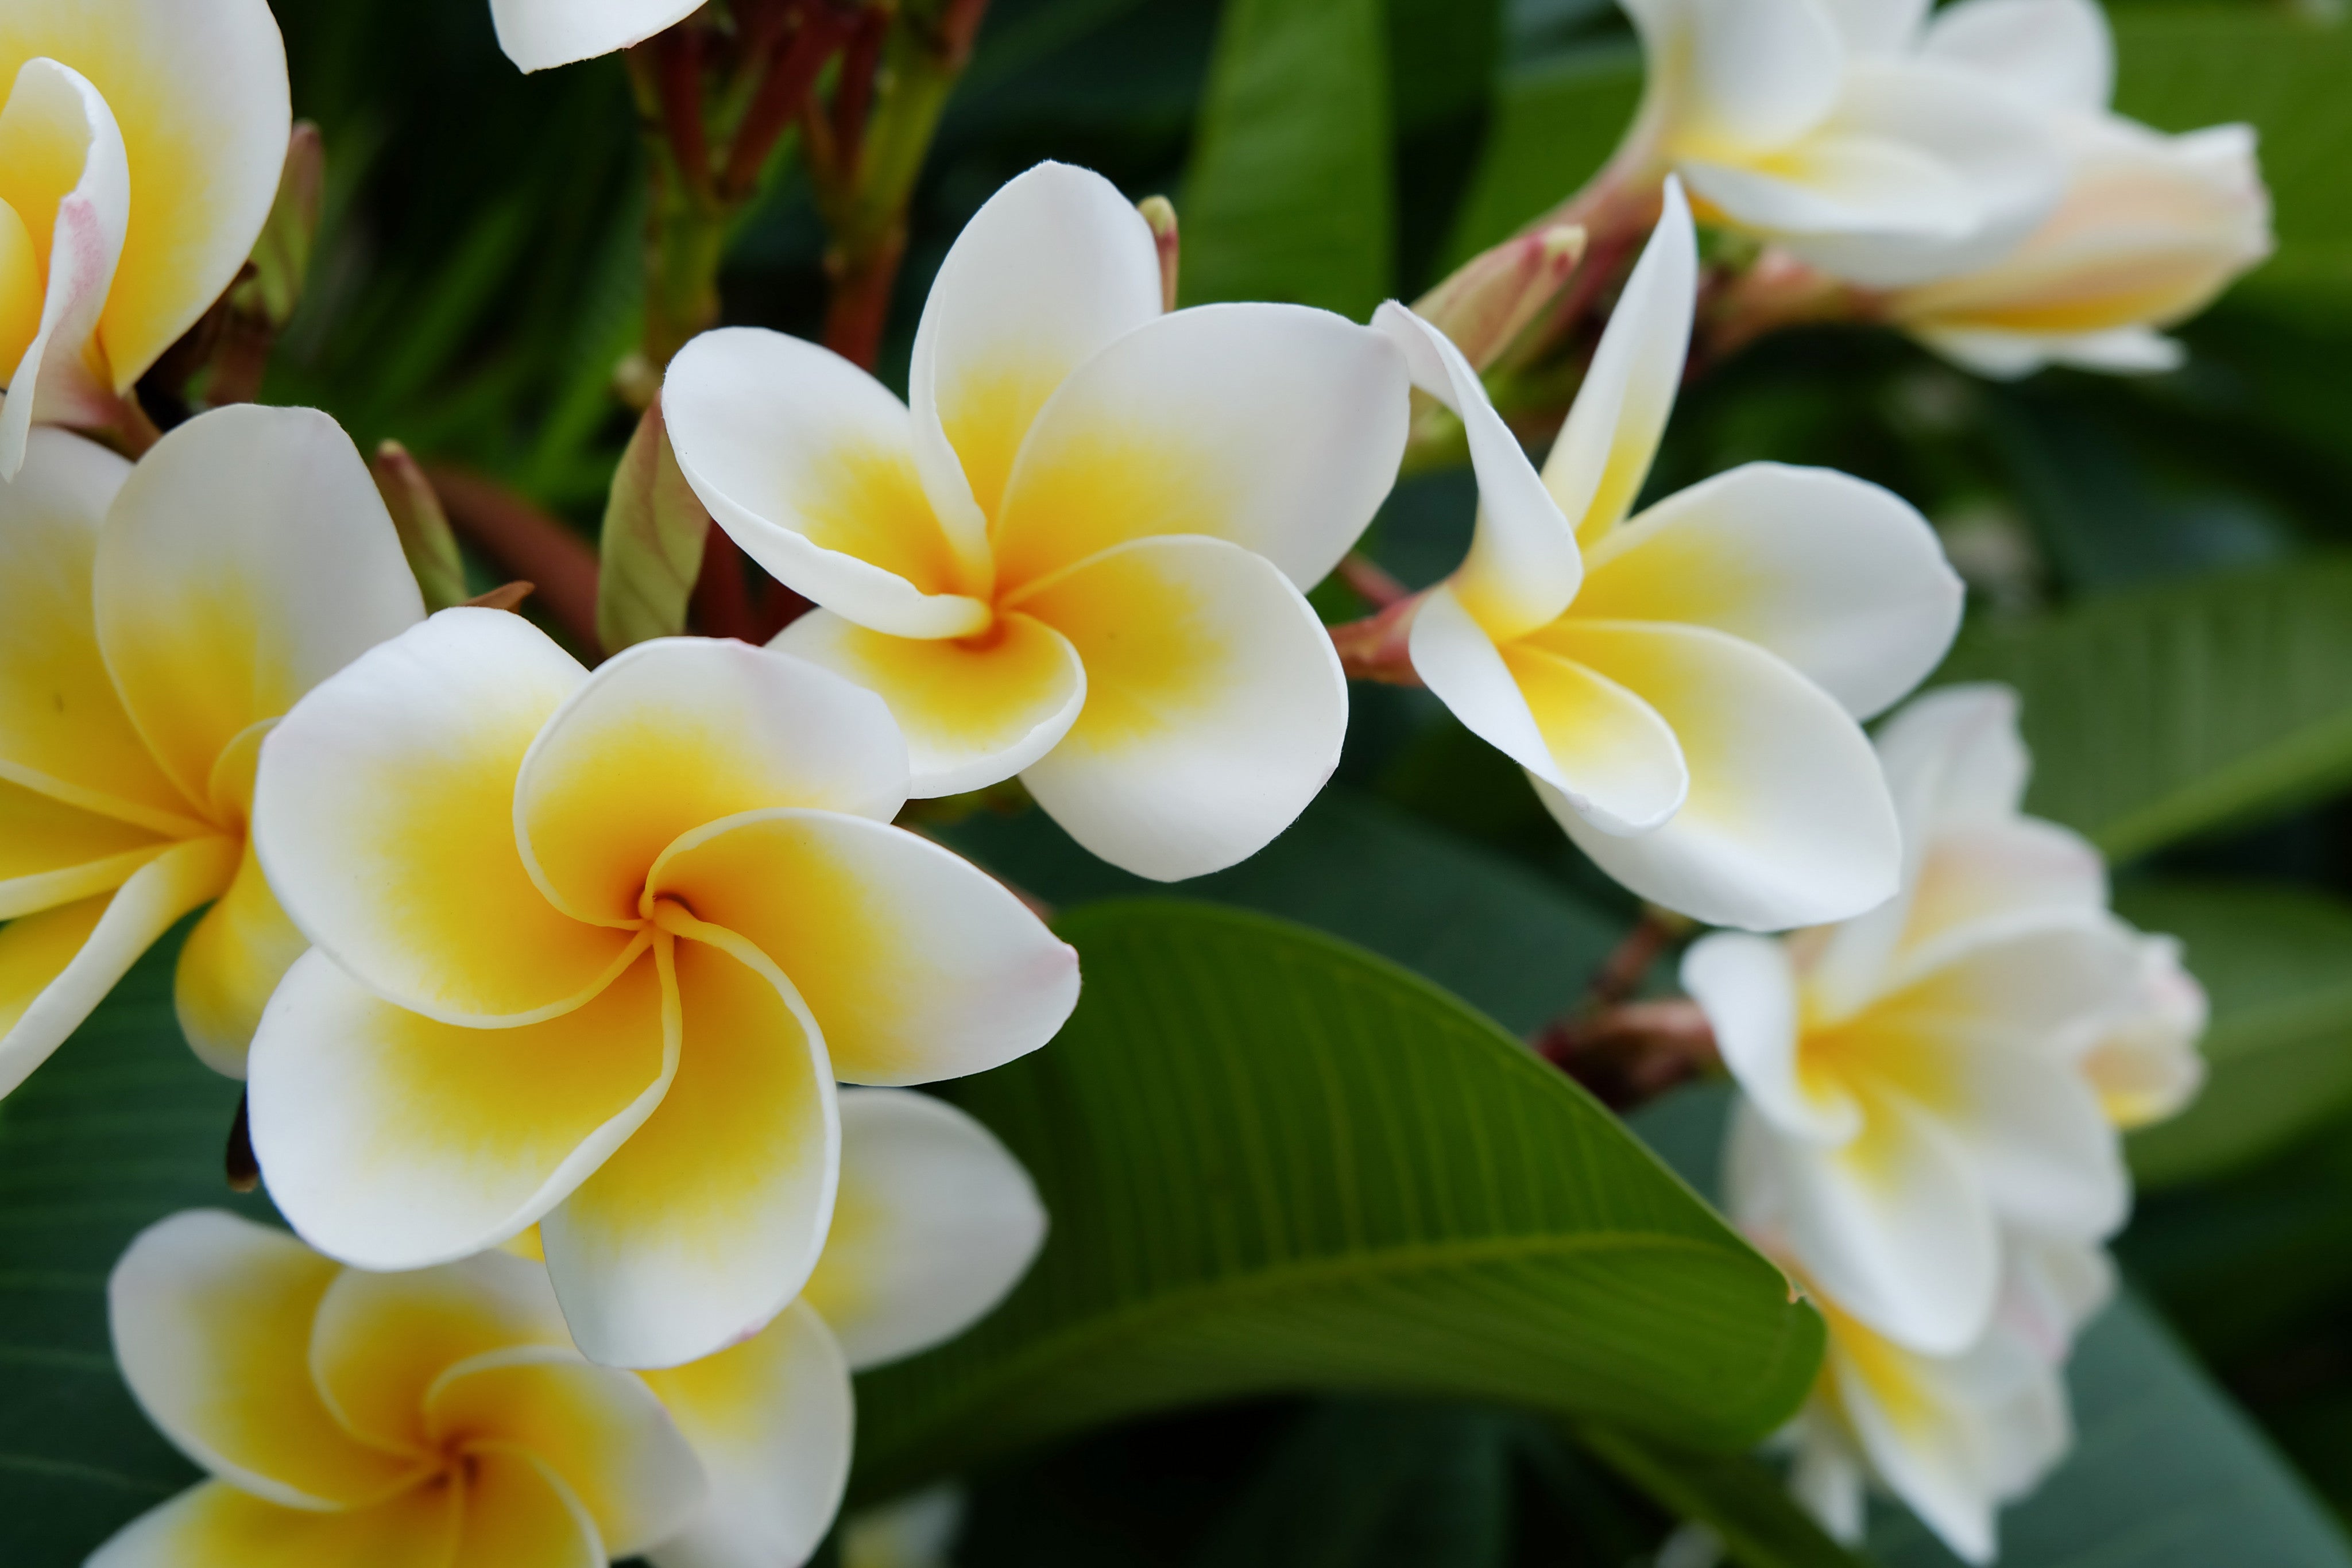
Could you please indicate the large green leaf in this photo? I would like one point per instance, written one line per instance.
(1290, 194)
(120, 1128)
(2277, 963)
(1275, 1162)
(2159, 713)
(2181, 70)
(1554, 125)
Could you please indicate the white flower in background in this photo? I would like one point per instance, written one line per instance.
(540, 33)
(2150, 228)
(155, 623)
(141, 148)
(1080, 557)
(2143, 1060)
(592, 951)
(1825, 126)
(1683, 686)
(1914, 1080)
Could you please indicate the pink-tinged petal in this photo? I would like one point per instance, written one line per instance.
(934, 1224)
(771, 1420)
(56, 966)
(706, 1223)
(678, 733)
(211, 1316)
(915, 965)
(1274, 427)
(393, 1141)
(385, 816)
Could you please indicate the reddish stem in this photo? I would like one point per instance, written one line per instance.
(677, 72)
(1366, 580)
(525, 543)
(853, 99)
(860, 306)
(782, 95)
(721, 600)
(1632, 1053)
(1376, 648)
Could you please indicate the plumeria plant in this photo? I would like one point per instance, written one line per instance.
(859, 781)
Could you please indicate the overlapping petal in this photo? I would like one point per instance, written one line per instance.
(2057, 53)
(53, 853)
(538, 35)
(212, 1324)
(678, 733)
(1842, 581)
(1749, 991)
(246, 558)
(230, 966)
(915, 965)
(1787, 822)
(385, 816)
(808, 463)
(934, 1224)
(1214, 712)
(214, 1525)
(393, 1141)
(1275, 427)
(1742, 72)
(518, 1513)
(974, 710)
(770, 1419)
(703, 1225)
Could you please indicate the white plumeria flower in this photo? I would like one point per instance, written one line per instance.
(540, 33)
(1957, 1435)
(2143, 1060)
(2150, 228)
(141, 148)
(1821, 124)
(592, 951)
(1913, 1078)
(155, 623)
(1079, 557)
(1683, 686)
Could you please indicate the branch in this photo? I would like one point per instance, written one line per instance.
(525, 543)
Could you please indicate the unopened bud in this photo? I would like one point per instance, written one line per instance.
(655, 529)
(1492, 297)
(281, 255)
(1161, 213)
(422, 526)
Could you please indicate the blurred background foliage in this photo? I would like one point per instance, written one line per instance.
(2163, 565)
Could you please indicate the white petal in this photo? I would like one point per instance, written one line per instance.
(211, 1317)
(1273, 426)
(55, 117)
(1893, 1226)
(706, 1223)
(56, 966)
(1840, 578)
(1759, 71)
(2144, 1062)
(1215, 706)
(248, 557)
(1748, 990)
(1053, 268)
(393, 1141)
(1827, 1481)
(975, 710)
(1956, 751)
(1787, 821)
(916, 964)
(540, 33)
(936, 1222)
(678, 733)
(808, 463)
(214, 1525)
(2041, 1144)
(2057, 53)
(771, 1419)
(1878, 26)
(1603, 452)
(1523, 567)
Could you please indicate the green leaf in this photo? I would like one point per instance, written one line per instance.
(1554, 126)
(2277, 963)
(650, 549)
(1735, 1495)
(1290, 193)
(1275, 1162)
(2285, 73)
(2157, 714)
(2166, 1472)
(120, 1127)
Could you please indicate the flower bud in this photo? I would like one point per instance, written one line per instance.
(1161, 213)
(1489, 299)
(653, 540)
(423, 527)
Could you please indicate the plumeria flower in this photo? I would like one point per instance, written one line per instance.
(1914, 1079)
(443, 1417)
(2142, 1060)
(1079, 557)
(540, 33)
(1683, 685)
(140, 151)
(592, 951)
(2150, 228)
(155, 623)
(1826, 126)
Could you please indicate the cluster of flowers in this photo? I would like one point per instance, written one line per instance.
(517, 958)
